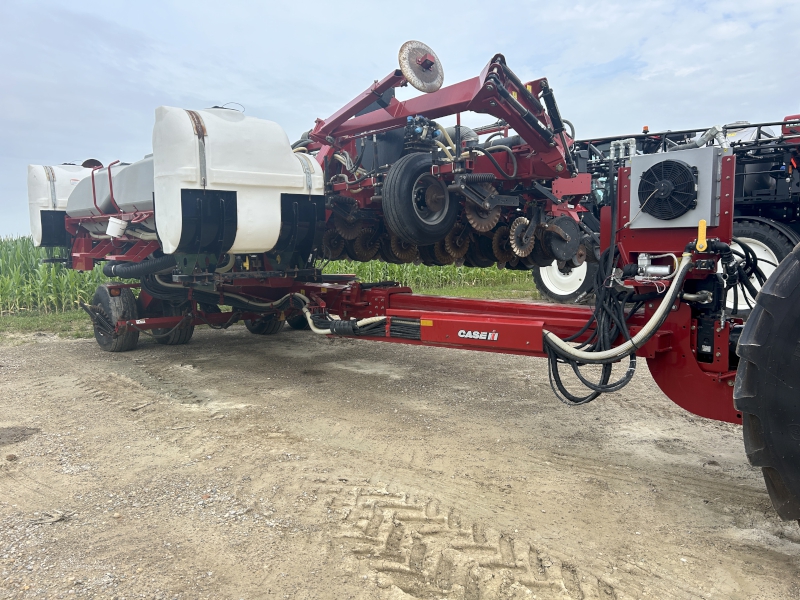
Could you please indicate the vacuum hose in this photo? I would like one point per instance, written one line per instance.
(127, 270)
(640, 338)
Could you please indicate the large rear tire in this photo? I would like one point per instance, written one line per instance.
(416, 205)
(767, 389)
(564, 287)
(118, 307)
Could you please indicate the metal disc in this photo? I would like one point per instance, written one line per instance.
(421, 66)
(517, 233)
(501, 245)
(349, 230)
(366, 245)
(456, 242)
(441, 254)
(403, 250)
(563, 247)
(332, 245)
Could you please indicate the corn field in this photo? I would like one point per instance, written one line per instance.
(28, 284)
(420, 277)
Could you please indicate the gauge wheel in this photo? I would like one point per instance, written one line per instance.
(417, 205)
(175, 337)
(561, 287)
(115, 304)
(298, 322)
(267, 325)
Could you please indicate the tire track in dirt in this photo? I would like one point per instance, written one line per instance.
(428, 550)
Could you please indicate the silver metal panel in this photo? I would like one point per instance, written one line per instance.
(707, 161)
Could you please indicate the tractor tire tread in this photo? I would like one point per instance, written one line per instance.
(269, 327)
(117, 308)
(766, 385)
(398, 209)
(177, 337)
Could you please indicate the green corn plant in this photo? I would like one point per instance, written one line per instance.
(28, 284)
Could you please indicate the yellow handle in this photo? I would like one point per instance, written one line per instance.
(702, 244)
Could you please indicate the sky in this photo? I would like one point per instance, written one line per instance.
(83, 79)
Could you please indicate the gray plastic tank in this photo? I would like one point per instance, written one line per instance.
(133, 190)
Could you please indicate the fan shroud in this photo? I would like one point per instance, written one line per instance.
(690, 195)
(668, 190)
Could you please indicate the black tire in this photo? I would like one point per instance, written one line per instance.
(562, 292)
(174, 337)
(767, 384)
(298, 322)
(121, 307)
(264, 326)
(404, 206)
(764, 239)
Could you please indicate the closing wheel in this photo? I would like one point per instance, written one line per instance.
(175, 337)
(767, 384)
(264, 326)
(416, 205)
(115, 304)
(770, 246)
(564, 287)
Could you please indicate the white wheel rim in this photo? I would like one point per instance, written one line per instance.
(562, 284)
(762, 251)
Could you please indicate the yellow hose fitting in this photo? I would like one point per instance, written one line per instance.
(702, 243)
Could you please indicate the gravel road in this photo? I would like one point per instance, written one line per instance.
(294, 466)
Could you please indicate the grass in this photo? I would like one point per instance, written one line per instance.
(70, 324)
(45, 297)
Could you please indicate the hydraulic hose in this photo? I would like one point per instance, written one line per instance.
(640, 338)
(446, 150)
(447, 138)
(127, 270)
(234, 300)
(486, 152)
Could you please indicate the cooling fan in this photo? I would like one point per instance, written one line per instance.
(668, 190)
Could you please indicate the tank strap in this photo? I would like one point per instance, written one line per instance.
(51, 177)
(303, 158)
(200, 131)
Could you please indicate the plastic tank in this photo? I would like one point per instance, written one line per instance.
(133, 190)
(49, 187)
(218, 149)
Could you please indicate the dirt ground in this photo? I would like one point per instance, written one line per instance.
(294, 466)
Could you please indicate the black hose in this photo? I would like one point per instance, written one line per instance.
(127, 270)
(507, 150)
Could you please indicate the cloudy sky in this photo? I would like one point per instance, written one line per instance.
(82, 79)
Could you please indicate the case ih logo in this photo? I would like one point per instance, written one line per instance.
(478, 335)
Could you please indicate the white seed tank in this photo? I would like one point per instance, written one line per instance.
(132, 186)
(49, 188)
(220, 149)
